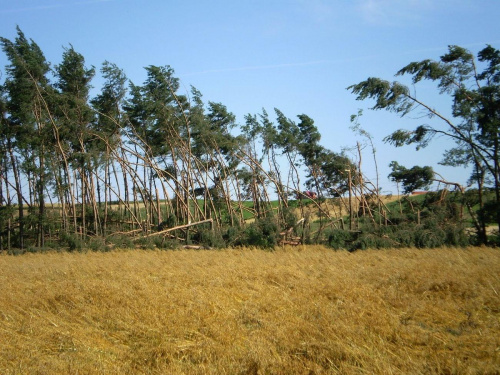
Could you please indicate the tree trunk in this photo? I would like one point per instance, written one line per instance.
(19, 194)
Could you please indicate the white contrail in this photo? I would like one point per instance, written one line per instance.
(274, 66)
(257, 67)
(336, 61)
(53, 6)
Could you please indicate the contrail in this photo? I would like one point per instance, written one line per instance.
(336, 61)
(54, 6)
(257, 67)
(274, 66)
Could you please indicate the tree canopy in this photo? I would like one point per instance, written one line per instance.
(146, 163)
(473, 85)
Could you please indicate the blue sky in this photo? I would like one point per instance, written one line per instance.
(296, 55)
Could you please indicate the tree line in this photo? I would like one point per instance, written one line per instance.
(138, 156)
(137, 160)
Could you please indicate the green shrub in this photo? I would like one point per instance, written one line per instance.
(372, 241)
(121, 241)
(72, 241)
(149, 243)
(456, 236)
(163, 243)
(428, 238)
(405, 237)
(494, 240)
(489, 212)
(232, 236)
(210, 238)
(97, 244)
(341, 239)
(261, 233)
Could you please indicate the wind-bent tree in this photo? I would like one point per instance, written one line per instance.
(75, 118)
(6, 152)
(215, 153)
(107, 125)
(326, 169)
(28, 131)
(155, 123)
(475, 121)
(266, 170)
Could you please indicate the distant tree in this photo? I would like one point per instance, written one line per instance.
(411, 179)
(475, 122)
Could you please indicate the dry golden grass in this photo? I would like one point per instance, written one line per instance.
(293, 311)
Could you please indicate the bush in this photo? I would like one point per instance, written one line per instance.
(149, 243)
(232, 236)
(97, 244)
(210, 238)
(73, 241)
(122, 241)
(164, 243)
(289, 218)
(488, 213)
(494, 240)
(372, 241)
(456, 236)
(341, 239)
(428, 238)
(405, 237)
(261, 233)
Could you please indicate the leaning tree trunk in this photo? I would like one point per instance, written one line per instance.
(15, 171)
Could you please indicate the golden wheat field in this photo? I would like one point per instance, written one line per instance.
(305, 310)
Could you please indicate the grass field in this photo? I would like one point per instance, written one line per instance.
(306, 310)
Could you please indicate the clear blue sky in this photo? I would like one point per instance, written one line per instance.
(296, 55)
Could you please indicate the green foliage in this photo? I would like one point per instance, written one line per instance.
(289, 217)
(372, 241)
(401, 236)
(441, 224)
(420, 136)
(129, 145)
(475, 108)
(97, 243)
(261, 233)
(72, 241)
(392, 96)
(494, 239)
(156, 242)
(430, 237)
(210, 238)
(232, 236)
(120, 241)
(109, 101)
(412, 179)
(341, 239)
(488, 213)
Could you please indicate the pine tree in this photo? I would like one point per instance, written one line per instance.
(26, 87)
(475, 124)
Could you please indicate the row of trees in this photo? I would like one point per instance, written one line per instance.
(135, 159)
